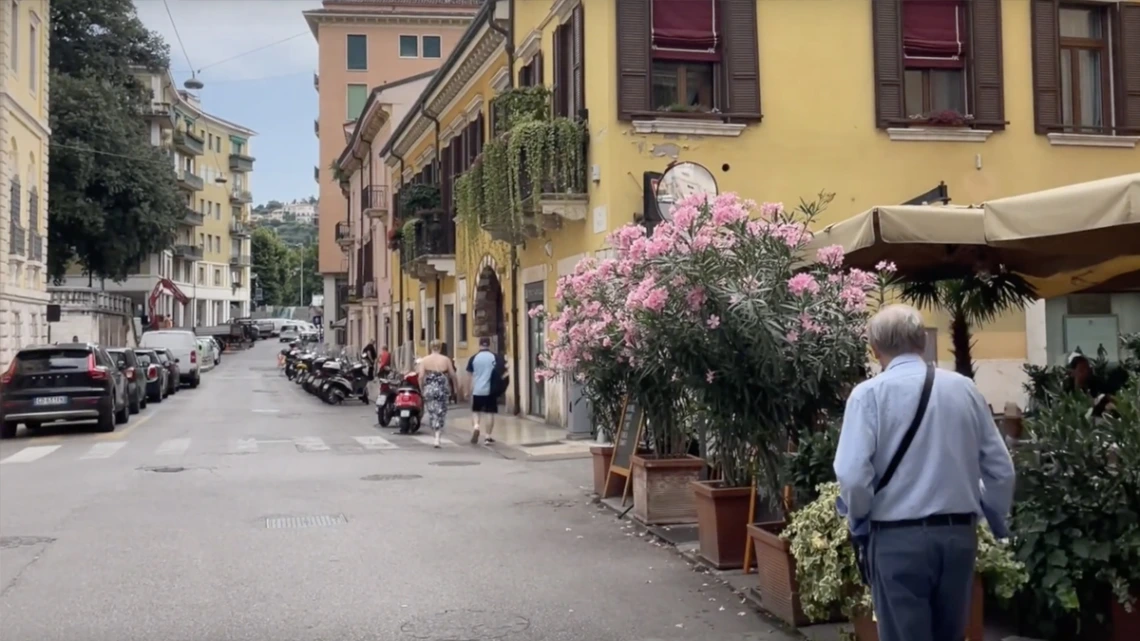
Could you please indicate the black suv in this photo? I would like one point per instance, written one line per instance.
(128, 362)
(68, 382)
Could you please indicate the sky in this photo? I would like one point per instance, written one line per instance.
(270, 91)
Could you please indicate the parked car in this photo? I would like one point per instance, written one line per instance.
(128, 362)
(66, 382)
(184, 346)
(221, 348)
(173, 371)
(207, 353)
(290, 332)
(155, 373)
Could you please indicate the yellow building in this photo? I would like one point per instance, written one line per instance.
(24, 140)
(780, 100)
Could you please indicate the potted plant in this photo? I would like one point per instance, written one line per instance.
(829, 579)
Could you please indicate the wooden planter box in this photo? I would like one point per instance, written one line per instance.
(662, 492)
(867, 630)
(776, 568)
(722, 521)
(1125, 625)
(602, 455)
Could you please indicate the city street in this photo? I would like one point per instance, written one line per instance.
(248, 510)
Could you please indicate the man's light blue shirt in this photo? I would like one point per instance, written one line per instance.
(958, 462)
(482, 367)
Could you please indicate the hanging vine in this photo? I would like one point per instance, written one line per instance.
(520, 104)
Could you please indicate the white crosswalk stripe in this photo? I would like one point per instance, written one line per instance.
(102, 450)
(173, 447)
(310, 444)
(245, 446)
(375, 443)
(29, 454)
(430, 440)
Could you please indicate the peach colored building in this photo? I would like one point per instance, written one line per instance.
(363, 45)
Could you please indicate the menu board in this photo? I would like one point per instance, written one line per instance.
(628, 434)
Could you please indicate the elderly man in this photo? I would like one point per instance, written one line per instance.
(919, 460)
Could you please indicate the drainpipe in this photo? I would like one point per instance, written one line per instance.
(439, 179)
(509, 34)
(400, 272)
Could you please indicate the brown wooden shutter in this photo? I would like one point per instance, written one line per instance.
(741, 58)
(578, 70)
(633, 33)
(537, 74)
(559, 85)
(1127, 57)
(886, 35)
(1044, 31)
(987, 79)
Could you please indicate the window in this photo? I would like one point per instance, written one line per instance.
(699, 57)
(938, 63)
(409, 46)
(569, 76)
(432, 46)
(33, 53)
(357, 52)
(357, 96)
(201, 275)
(1084, 68)
(217, 277)
(14, 56)
(217, 211)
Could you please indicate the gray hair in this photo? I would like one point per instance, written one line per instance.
(897, 330)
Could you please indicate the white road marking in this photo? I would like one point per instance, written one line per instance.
(246, 445)
(311, 444)
(375, 443)
(430, 440)
(173, 447)
(266, 411)
(29, 454)
(103, 450)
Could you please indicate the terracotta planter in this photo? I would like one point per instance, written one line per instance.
(867, 630)
(662, 492)
(722, 520)
(1125, 625)
(776, 568)
(602, 455)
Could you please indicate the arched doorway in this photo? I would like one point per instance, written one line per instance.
(489, 314)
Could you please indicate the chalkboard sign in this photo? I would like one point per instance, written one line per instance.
(628, 434)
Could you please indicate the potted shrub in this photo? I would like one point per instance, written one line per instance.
(829, 577)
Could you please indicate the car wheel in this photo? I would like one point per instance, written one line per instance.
(196, 381)
(8, 429)
(134, 406)
(32, 425)
(143, 400)
(123, 415)
(157, 398)
(106, 419)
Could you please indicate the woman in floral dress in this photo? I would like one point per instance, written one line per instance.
(437, 380)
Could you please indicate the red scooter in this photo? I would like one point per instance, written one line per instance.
(409, 404)
(386, 398)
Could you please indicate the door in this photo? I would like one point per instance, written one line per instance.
(536, 343)
(449, 328)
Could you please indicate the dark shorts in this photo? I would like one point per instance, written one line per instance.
(484, 404)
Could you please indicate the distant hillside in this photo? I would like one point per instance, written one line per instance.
(292, 234)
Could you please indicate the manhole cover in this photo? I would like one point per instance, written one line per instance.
(391, 477)
(164, 469)
(8, 542)
(298, 522)
(466, 625)
(454, 463)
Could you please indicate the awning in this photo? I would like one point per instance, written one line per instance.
(685, 30)
(1100, 218)
(934, 33)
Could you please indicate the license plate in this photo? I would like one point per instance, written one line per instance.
(50, 400)
(405, 414)
(380, 400)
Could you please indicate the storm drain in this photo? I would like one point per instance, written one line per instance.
(391, 477)
(453, 463)
(299, 522)
(9, 542)
(164, 469)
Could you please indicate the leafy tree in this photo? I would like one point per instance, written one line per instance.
(113, 195)
(270, 263)
(302, 263)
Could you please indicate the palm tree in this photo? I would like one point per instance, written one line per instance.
(971, 301)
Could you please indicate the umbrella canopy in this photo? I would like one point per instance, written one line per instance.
(1100, 218)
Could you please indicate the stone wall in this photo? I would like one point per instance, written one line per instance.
(93, 316)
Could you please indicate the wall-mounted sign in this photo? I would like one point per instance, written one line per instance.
(681, 180)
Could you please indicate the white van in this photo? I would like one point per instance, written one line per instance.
(184, 344)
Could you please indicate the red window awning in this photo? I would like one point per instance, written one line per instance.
(934, 33)
(685, 30)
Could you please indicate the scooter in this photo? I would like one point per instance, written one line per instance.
(409, 404)
(330, 370)
(386, 400)
(351, 380)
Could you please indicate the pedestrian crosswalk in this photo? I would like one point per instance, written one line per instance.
(175, 447)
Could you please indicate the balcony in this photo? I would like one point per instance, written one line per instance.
(427, 245)
(190, 181)
(193, 218)
(239, 229)
(189, 143)
(374, 201)
(241, 163)
(316, 173)
(344, 235)
(161, 113)
(316, 81)
(239, 260)
(240, 196)
(316, 127)
(188, 252)
(369, 290)
(17, 239)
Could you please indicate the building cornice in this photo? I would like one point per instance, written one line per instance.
(559, 13)
(9, 101)
(530, 47)
(318, 17)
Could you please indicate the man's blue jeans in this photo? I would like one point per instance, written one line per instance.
(921, 579)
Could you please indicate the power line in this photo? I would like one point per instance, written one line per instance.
(254, 50)
(176, 34)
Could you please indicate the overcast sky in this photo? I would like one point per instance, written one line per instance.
(269, 91)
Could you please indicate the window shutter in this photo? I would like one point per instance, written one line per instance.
(886, 35)
(536, 75)
(633, 34)
(579, 66)
(1045, 35)
(559, 77)
(741, 58)
(986, 76)
(1127, 56)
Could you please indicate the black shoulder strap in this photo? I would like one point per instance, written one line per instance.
(923, 401)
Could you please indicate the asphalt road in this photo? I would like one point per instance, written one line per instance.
(247, 510)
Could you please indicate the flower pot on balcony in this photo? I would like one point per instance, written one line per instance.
(602, 455)
(722, 520)
(662, 492)
(1125, 625)
(776, 568)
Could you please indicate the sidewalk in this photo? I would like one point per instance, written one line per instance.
(528, 438)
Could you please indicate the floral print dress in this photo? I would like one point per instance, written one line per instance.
(437, 391)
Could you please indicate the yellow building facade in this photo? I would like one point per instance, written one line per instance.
(857, 109)
(24, 153)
